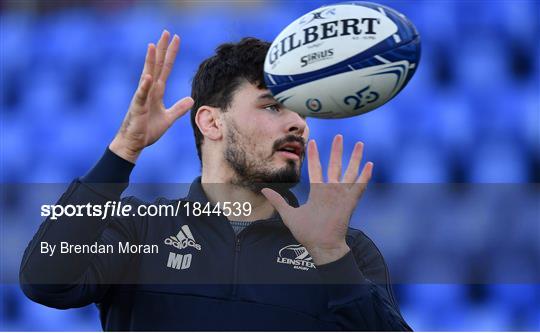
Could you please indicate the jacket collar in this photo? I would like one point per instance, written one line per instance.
(196, 194)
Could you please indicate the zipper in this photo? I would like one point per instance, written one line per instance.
(236, 254)
(237, 247)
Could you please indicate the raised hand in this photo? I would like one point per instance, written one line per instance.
(321, 223)
(147, 118)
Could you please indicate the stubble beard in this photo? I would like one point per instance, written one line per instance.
(254, 174)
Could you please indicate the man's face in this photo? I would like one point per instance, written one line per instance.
(264, 141)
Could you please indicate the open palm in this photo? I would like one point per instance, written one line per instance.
(148, 118)
(321, 223)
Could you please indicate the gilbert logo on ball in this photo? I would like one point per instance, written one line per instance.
(342, 60)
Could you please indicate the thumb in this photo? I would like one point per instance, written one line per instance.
(180, 108)
(276, 200)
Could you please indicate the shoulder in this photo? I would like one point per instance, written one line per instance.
(368, 256)
(370, 261)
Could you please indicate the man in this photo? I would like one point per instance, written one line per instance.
(276, 266)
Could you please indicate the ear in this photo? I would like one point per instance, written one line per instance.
(209, 122)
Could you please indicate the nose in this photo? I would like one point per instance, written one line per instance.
(295, 123)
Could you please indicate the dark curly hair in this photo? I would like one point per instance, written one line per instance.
(219, 76)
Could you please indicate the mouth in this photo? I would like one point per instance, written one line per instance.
(291, 150)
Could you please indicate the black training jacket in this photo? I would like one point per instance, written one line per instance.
(203, 277)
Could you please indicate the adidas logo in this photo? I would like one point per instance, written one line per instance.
(183, 239)
(297, 256)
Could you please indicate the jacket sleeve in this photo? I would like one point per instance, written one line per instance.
(66, 280)
(360, 297)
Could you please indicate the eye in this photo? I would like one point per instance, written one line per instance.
(272, 107)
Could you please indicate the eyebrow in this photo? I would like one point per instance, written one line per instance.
(266, 96)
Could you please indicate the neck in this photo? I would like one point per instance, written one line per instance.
(217, 183)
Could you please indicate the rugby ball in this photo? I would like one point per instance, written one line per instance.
(342, 60)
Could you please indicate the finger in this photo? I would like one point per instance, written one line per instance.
(170, 56)
(314, 163)
(149, 61)
(179, 108)
(161, 50)
(141, 95)
(334, 164)
(363, 179)
(354, 164)
(276, 200)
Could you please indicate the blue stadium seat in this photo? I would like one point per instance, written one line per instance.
(420, 162)
(499, 161)
(16, 30)
(480, 64)
(16, 155)
(517, 296)
(443, 306)
(66, 36)
(490, 317)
